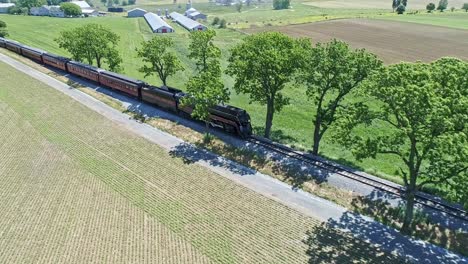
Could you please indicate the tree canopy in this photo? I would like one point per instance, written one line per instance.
(281, 4)
(262, 65)
(206, 88)
(70, 9)
(161, 61)
(424, 107)
(30, 3)
(442, 5)
(203, 50)
(330, 72)
(430, 7)
(3, 30)
(465, 6)
(92, 43)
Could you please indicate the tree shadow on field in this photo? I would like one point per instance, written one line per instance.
(353, 238)
(191, 154)
(327, 244)
(378, 207)
(276, 135)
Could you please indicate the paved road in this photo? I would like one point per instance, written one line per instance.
(363, 227)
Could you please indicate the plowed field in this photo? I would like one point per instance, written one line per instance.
(391, 41)
(77, 188)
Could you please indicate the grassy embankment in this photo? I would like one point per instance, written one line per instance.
(77, 188)
(292, 126)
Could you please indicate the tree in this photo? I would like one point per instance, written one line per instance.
(281, 4)
(93, 43)
(203, 50)
(465, 6)
(124, 3)
(206, 88)
(116, 2)
(54, 2)
(205, 91)
(70, 9)
(3, 30)
(422, 109)
(396, 5)
(332, 71)
(215, 21)
(239, 6)
(442, 5)
(30, 3)
(103, 2)
(262, 65)
(430, 7)
(401, 9)
(131, 2)
(161, 61)
(222, 23)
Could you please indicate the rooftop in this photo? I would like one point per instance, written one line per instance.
(6, 4)
(81, 4)
(184, 21)
(155, 21)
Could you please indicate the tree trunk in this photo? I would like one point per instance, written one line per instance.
(269, 118)
(406, 228)
(317, 137)
(98, 61)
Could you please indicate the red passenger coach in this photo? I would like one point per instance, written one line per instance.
(84, 70)
(2, 42)
(32, 53)
(55, 61)
(13, 46)
(122, 83)
(164, 97)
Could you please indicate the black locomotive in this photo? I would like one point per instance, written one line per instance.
(229, 118)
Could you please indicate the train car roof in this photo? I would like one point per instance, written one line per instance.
(33, 49)
(55, 56)
(229, 109)
(122, 77)
(87, 66)
(13, 42)
(163, 88)
(2, 39)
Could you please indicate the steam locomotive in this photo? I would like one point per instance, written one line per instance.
(229, 118)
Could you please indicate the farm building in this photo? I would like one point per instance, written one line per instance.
(156, 23)
(192, 13)
(85, 8)
(189, 11)
(81, 4)
(136, 12)
(90, 12)
(186, 22)
(196, 16)
(54, 11)
(4, 7)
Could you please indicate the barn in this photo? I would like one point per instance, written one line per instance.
(157, 24)
(197, 16)
(187, 23)
(136, 12)
(4, 7)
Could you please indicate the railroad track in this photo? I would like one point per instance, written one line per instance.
(394, 189)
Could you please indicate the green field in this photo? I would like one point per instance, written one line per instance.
(453, 20)
(293, 125)
(78, 188)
